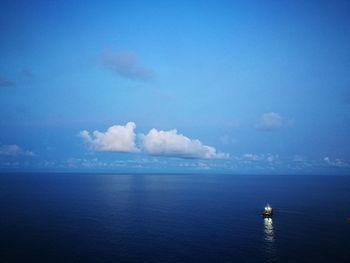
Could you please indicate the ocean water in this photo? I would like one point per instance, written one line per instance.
(173, 218)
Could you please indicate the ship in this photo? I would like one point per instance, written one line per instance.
(268, 211)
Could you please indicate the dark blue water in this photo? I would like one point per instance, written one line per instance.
(173, 218)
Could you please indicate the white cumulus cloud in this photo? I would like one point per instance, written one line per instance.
(117, 138)
(171, 143)
(120, 138)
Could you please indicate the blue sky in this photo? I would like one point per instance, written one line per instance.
(175, 86)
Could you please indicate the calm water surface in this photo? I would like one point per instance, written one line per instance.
(173, 218)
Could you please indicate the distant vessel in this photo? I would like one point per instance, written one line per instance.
(268, 211)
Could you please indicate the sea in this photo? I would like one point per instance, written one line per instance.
(62, 217)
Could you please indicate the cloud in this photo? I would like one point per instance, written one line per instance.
(117, 138)
(227, 140)
(14, 150)
(251, 157)
(270, 121)
(126, 65)
(85, 163)
(27, 73)
(6, 83)
(336, 162)
(171, 143)
(168, 143)
(298, 158)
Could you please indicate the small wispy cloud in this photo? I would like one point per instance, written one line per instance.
(336, 162)
(227, 140)
(298, 158)
(27, 73)
(126, 65)
(85, 163)
(251, 157)
(6, 83)
(14, 150)
(271, 121)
